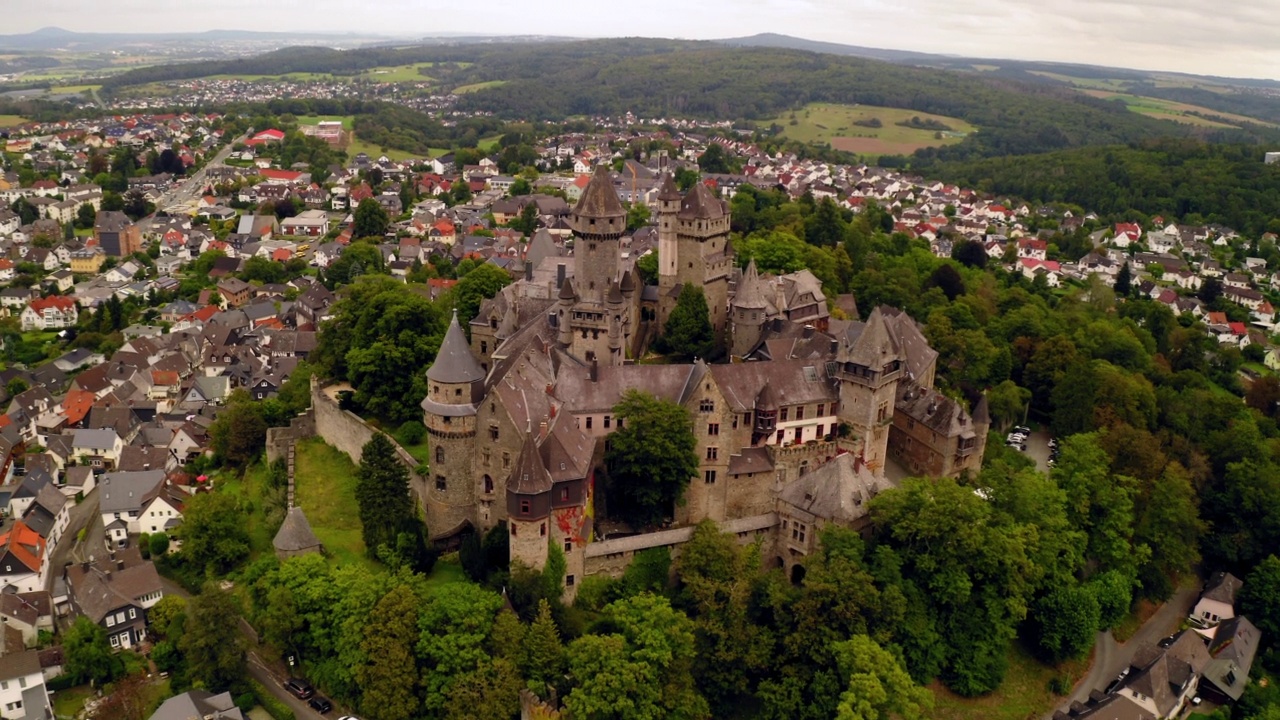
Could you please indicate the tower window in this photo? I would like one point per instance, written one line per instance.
(439, 454)
(706, 406)
(542, 530)
(564, 494)
(568, 546)
(484, 347)
(709, 477)
(493, 432)
(441, 485)
(488, 484)
(525, 507)
(713, 428)
(712, 452)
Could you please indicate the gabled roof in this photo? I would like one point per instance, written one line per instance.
(454, 363)
(838, 491)
(1222, 587)
(25, 545)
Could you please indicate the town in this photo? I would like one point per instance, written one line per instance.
(145, 302)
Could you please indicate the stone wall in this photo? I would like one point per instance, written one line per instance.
(280, 439)
(611, 557)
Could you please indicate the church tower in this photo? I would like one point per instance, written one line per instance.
(455, 384)
(869, 366)
(748, 313)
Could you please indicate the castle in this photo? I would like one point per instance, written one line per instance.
(796, 432)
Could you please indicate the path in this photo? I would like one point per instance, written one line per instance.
(1110, 657)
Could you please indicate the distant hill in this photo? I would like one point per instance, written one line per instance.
(788, 42)
(55, 38)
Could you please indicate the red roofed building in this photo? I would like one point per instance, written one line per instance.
(439, 286)
(49, 313)
(76, 406)
(1034, 249)
(25, 560)
(266, 136)
(1050, 269)
(281, 176)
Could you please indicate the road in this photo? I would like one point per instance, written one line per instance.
(82, 514)
(189, 191)
(1110, 657)
(274, 682)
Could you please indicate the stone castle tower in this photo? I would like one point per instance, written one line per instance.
(455, 386)
(693, 247)
(595, 313)
(869, 365)
(748, 313)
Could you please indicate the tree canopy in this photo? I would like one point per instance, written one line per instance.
(651, 458)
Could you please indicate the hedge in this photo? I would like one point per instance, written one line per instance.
(274, 707)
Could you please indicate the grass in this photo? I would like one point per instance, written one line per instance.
(464, 89)
(325, 488)
(398, 73)
(488, 144)
(1024, 693)
(834, 124)
(446, 572)
(357, 146)
(11, 120)
(249, 491)
(77, 89)
(68, 703)
(348, 121)
(1175, 111)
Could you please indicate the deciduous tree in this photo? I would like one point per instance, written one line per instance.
(370, 219)
(652, 458)
(389, 680)
(211, 641)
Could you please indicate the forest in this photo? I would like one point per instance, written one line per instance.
(1192, 181)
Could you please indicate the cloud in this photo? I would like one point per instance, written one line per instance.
(1235, 38)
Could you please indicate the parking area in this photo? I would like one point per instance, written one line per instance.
(1035, 444)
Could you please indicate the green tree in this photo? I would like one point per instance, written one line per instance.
(1260, 596)
(542, 655)
(158, 544)
(492, 690)
(389, 681)
(1067, 620)
(454, 628)
(825, 226)
(715, 160)
(1007, 403)
(688, 332)
(239, 432)
(642, 670)
(211, 641)
(370, 220)
(1124, 281)
(213, 533)
(86, 654)
(382, 495)
(1170, 525)
(877, 686)
(15, 386)
(651, 458)
(167, 616)
(482, 283)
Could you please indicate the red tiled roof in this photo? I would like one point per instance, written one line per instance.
(76, 405)
(24, 544)
(60, 302)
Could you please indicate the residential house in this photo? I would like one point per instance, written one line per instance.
(23, 558)
(123, 497)
(87, 261)
(235, 291)
(116, 234)
(1217, 600)
(98, 448)
(115, 594)
(23, 695)
(53, 312)
(308, 223)
(199, 704)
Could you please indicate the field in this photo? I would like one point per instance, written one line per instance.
(463, 89)
(397, 74)
(325, 485)
(357, 146)
(287, 76)
(1024, 693)
(77, 89)
(1175, 111)
(11, 120)
(834, 124)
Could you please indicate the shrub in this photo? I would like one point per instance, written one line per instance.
(411, 433)
(274, 707)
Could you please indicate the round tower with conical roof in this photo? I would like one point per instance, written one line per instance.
(748, 313)
(455, 384)
(529, 506)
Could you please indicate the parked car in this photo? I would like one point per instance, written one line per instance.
(320, 705)
(299, 688)
(1023, 429)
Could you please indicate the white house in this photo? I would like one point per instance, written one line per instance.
(22, 690)
(101, 447)
(122, 498)
(1218, 599)
(53, 312)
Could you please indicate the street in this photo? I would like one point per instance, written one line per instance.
(84, 513)
(183, 197)
(275, 684)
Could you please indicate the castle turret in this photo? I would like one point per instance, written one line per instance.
(455, 384)
(869, 366)
(529, 506)
(598, 222)
(748, 313)
(668, 206)
(564, 313)
(702, 254)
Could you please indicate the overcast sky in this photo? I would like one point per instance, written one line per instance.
(1234, 38)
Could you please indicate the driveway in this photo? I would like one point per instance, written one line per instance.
(1110, 657)
(1038, 449)
(273, 680)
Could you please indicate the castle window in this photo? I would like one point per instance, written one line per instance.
(506, 460)
(589, 422)
(713, 428)
(820, 432)
(595, 334)
(783, 416)
(735, 421)
(564, 494)
(488, 484)
(821, 407)
(781, 434)
(568, 580)
(542, 530)
(493, 432)
(513, 530)
(707, 406)
(440, 483)
(800, 413)
(484, 456)
(606, 422)
(799, 435)
(584, 334)
(525, 507)
(882, 412)
(484, 347)
(712, 452)
(709, 477)
(568, 546)
(439, 454)
(804, 470)
(619, 423)
(457, 392)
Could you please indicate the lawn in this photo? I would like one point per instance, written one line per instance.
(398, 74)
(357, 146)
(68, 703)
(489, 144)
(11, 120)
(835, 124)
(325, 487)
(249, 491)
(348, 121)
(77, 89)
(463, 89)
(1024, 693)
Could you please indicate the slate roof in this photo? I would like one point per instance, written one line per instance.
(295, 534)
(454, 363)
(530, 476)
(700, 204)
(124, 491)
(837, 491)
(599, 198)
(1222, 587)
(199, 705)
(99, 590)
(1233, 648)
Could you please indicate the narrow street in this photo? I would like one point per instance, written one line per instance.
(85, 513)
(274, 683)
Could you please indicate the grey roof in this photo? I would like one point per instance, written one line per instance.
(1222, 587)
(599, 198)
(700, 204)
(123, 491)
(95, 439)
(530, 476)
(295, 533)
(839, 490)
(455, 363)
(1233, 648)
(870, 345)
(750, 294)
(198, 704)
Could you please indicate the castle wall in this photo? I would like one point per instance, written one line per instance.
(611, 557)
(280, 438)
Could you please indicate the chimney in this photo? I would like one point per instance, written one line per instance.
(595, 370)
(119, 564)
(559, 276)
(808, 331)
(542, 428)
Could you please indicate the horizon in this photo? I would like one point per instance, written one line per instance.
(1124, 34)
